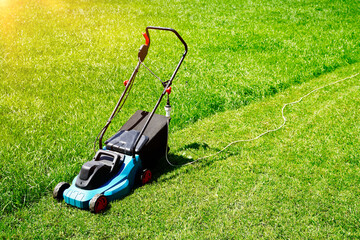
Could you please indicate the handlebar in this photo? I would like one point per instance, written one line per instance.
(144, 48)
(142, 54)
(166, 29)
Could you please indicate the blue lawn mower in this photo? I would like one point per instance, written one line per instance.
(127, 156)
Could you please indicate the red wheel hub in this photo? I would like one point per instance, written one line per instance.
(100, 204)
(146, 177)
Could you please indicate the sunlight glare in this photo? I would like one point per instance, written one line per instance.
(4, 3)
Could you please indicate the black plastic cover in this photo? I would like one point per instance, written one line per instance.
(156, 132)
(124, 140)
(100, 170)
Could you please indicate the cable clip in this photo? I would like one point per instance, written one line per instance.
(168, 90)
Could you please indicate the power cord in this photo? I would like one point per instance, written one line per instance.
(262, 134)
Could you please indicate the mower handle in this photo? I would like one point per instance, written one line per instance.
(143, 51)
(168, 83)
(141, 55)
(166, 29)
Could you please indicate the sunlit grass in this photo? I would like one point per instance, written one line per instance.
(62, 64)
(299, 182)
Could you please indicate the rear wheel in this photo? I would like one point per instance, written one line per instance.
(145, 176)
(59, 190)
(98, 203)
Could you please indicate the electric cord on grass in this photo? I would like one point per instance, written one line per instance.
(262, 134)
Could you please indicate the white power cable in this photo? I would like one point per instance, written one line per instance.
(264, 133)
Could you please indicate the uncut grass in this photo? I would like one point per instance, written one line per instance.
(298, 182)
(62, 64)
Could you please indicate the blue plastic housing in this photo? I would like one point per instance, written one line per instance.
(119, 186)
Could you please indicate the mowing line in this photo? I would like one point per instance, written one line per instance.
(264, 133)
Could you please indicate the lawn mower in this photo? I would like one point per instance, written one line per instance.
(127, 156)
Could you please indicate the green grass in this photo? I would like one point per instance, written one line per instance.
(62, 64)
(299, 182)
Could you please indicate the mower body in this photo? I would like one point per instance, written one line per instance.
(114, 170)
(118, 186)
(126, 156)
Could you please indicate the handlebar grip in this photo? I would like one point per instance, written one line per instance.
(147, 40)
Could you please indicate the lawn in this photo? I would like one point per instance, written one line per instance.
(62, 64)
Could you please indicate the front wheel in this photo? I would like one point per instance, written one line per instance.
(59, 190)
(98, 203)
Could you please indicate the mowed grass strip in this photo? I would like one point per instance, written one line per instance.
(299, 182)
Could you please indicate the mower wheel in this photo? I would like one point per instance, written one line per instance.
(98, 203)
(59, 190)
(146, 176)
